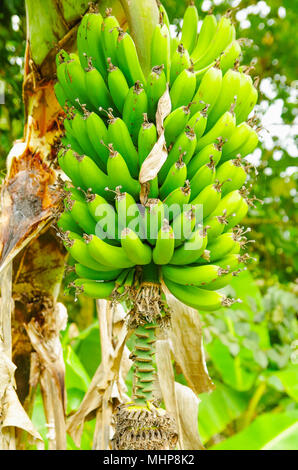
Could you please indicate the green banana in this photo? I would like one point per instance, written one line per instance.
(165, 244)
(87, 273)
(92, 176)
(79, 251)
(69, 163)
(191, 275)
(164, 15)
(213, 150)
(233, 176)
(203, 177)
(136, 104)
(179, 197)
(222, 246)
(224, 34)
(105, 216)
(95, 289)
(198, 123)
(128, 60)
(228, 95)
(183, 88)
(147, 138)
(99, 94)
(119, 174)
(61, 95)
(161, 49)
(106, 254)
(215, 225)
(118, 134)
(110, 33)
(209, 197)
(223, 128)
(67, 223)
(180, 60)
(191, 249)
(208, 91)
(118, 85)
(240, 136)
(79, 128)
(157, 85)
(82, 41)
(70, 95)
(229, 204)
(98, 137)
(239, 214)
(175, 178)
(75, 78)
(129, 214)
(186, 142)
(183, 224)
(229, 56)
(190, 28)
(93, 46)
(139, 253)
(175, 123)
(197, 297)
(208, 30)
(247, 98)
(154, 215)
(81, 215)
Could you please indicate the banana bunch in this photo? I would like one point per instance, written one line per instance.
(187, 228)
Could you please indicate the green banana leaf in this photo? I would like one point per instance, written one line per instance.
(269, 431)
(88, 349)
(232, 369)
(75, 373)
(218, 408)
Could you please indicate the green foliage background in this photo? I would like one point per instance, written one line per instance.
(252, 348)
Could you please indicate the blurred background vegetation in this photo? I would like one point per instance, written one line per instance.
(252, 348)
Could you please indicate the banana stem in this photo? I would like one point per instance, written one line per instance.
(144, 370)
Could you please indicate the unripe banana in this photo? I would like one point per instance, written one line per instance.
(98, 136)
(75, 78)
(139, 253)
(94, 48)
(92, 176)
(191, 275)
(183, 225)
(197, 297)
(175, 178)
(198, 123)
(157, 84)
(79, 128)
(155, 215)
(228, 95)
(164, 15)
(215, 225)
(175, 123)
(179, 197)
(95, 289)
(237, 175)
(106, 254)
(79, 251)
(190, 28)
(247, 98)
(82, 42)
(99, 94)
(136, 104)
(208, 30)
(224, 34)
(223, 128)
(209, 197)
(165, 243)
(128, 60)
(117, 85)
(110, 32)
(249, 146)
(228, 205)
(69, 163)
(203, 157)
(61, 95)
(67, 224)
(80, 213)
(61, 75)
(186, 143)
(191, 249)
(239, 137)
(147, 139)
(86, 273)
(105, 216)
(119, 135)
(222, 281)
(208, 91)
(203, 177)
(180, 60)
(239, 214)
(229, 56)
(129, 214)
(222, 246)
(119, 174)
(161, 49)
(183, 88)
